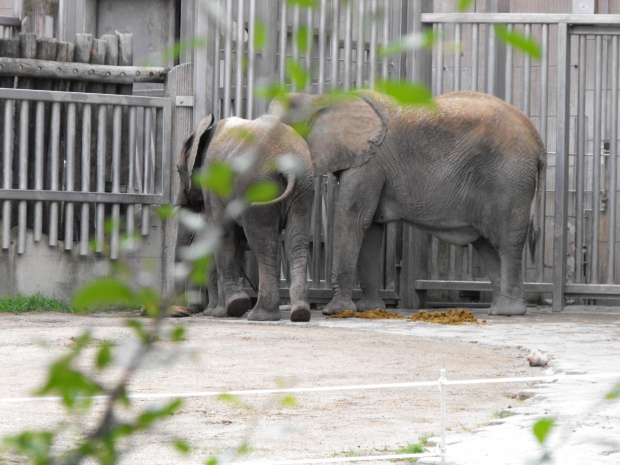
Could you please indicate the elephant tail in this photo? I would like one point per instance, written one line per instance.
(534, 233)
(290, 185)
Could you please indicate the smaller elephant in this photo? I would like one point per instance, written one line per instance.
(260, 150)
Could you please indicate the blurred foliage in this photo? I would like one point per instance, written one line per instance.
(519, 41)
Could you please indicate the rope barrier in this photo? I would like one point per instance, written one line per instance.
(549, 378)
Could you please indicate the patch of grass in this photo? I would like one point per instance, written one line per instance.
(34, 303)
(415, 448)
(503, 414)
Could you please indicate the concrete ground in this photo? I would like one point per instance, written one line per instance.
(222, 354)
(584, 341)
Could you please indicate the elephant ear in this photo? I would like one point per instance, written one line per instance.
(192, 157)
(345, 135)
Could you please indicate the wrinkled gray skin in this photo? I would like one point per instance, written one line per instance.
(259, 224)
(465, 171)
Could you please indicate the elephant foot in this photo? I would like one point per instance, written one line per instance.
(508, 306)
(217, 311)
(370, 303)
(300, 312)
(238, 304)
(337, 305)
(261, 314)
(195, 308)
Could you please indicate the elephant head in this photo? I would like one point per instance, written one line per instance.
(342, 132)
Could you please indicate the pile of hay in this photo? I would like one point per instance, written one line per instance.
(452, 317)
(376, 314)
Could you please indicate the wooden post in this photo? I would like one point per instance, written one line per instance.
(179, 82)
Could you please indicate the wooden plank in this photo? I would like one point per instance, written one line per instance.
(125, 75)
(125, 60)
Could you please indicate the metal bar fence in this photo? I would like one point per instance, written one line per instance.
(71, 193)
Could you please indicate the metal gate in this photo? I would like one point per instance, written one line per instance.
(342, 52)
(572, 98)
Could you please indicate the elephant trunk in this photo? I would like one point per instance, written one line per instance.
(290, 179)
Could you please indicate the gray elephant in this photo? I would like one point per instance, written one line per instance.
(269, 151)
(465, 170)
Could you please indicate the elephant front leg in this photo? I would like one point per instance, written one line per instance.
(236, 300)
(369, 271)
(215, 306)
(355, 207)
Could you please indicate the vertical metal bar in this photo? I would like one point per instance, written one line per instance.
(491, 53)
(227, 58)
(148, 169)
(283, 38)
(132, 170)
(561, 177)
(372, 55)
(457, 56)
(216, 71)
(335, 38)
(39, 147)
(387, 6)
(24, 115)
(294, 44)
(7, 174)
(116, 180)
(475, 38)
(527, 75)
(359, 75)
(580, 163)
(239, 56)
(309, 40)
(348, 26)
(251, 61)
(84, 217)
(322, 40)
(439, 65)
(509, 67)
(434, 258)
(596, 162)
(613, 153)
(101, 158)
(444, 419)
(544, 99)
(54, 171)
(69, 170)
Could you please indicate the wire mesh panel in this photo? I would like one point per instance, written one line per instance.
(94, 171)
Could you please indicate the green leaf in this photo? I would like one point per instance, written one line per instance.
(288, 401)
(34, 444)
(301, 38)
(520, 42)
(261, 192)
(165, 212)
(138, 328)
(542, 428)
(303, 3)
(297, 73)
(146, 419)
(103, 291)
(463, 5)
(614, 393)
(218, 178)
(178, 334)
(178, 48)
(407, 93)
(149, 299)
(181, 446)
(232, 400)
(198, 274)
(212, 461)
(104, 355)
(270, 92)
(69, 383)
(260, 35)
(410, 42)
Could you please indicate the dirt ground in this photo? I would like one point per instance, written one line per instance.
(229, 354)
